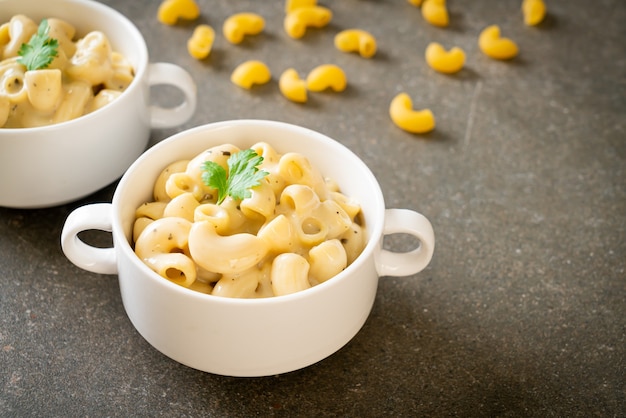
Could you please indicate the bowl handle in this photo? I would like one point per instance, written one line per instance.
(163, 73)
(406, 221)
(97, 260)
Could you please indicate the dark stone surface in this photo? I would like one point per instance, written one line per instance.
(522, 311)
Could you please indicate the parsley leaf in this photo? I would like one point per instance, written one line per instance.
(39, 52)
(243, 175)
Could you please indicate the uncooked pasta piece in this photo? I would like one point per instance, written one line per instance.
(250, 73)
(201, 41)
(448, 62)
(405, 117)
(494, 46)
(170, 11)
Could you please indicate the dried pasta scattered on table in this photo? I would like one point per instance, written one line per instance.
(405, 117)
(534, 11)
(170, 11)
(435, 12)
(356, 40)
(443, 61)
(240, 25)
(492, 44)
(292, 86)
(201, 42)
(327, 76)
(298, 20)
(251, 73)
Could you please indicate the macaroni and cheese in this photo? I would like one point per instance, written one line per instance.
(295, 230)
(85, 75)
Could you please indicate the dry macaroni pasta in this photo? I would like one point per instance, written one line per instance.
(534, 11)
(86, 75)
(291, 5)
(435, 12)
(448, 62)
(201, 41)
(356, 40)
(249, 73)
(171, 10)
(299, 19)
(292, 86)
(296, 230)
(326, 76)
(237, 26)
(492, 44)
(405, 117)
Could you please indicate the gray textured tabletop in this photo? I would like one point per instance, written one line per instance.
(522, 311)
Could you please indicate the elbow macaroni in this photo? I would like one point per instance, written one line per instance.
(327, 76)
(448, 62)
(85, 76)
(201, 41)
(356, 40)
(249, 73)
(414, 121)
(291, 5)
(435, 12)
(327, 260)
(171, 10)
(492, 44)
(164, 246)
(292, 86)
(296, 230)
(43, 88)
(15, 32)
(534, 11)
(299, 19)
(290, 274)
(237, 26)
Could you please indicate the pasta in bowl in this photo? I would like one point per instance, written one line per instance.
(292, 230)
(216, 334)
(68, 69)
(47, 76)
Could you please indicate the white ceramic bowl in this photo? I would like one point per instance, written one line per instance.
(248, 337)
(51, 165)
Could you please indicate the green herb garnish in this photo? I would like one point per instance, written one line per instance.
(243, 174)
(39, 52)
